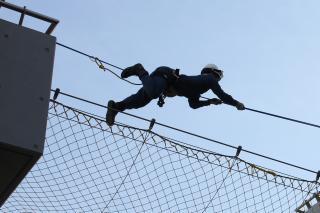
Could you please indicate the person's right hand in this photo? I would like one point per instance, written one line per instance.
(240, 106)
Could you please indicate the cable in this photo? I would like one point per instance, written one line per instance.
(101, 66)
(85, 54)
(282, 117)
(277, 116)
(218, 189)
(96, 59)
(253, 110)
(190, 133)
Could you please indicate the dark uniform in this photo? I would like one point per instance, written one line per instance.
(190, 87)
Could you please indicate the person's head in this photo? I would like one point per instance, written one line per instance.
(214, 70)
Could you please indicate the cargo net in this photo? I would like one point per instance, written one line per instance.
(90, 167)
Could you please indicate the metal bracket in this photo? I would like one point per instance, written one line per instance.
(318, 176)
(56, 93)
(161, 100)
(239, 149)
(99, 63)
(152, 122)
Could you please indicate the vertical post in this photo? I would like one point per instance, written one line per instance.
(22, 16)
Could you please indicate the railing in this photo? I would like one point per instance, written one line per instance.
(24, 11)
(307, 203)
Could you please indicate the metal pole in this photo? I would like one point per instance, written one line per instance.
(22, 16)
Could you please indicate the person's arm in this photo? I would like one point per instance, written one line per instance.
(226, 98)
(195, 103)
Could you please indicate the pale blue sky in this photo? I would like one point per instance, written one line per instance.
(269, 51)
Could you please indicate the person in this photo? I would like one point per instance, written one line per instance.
(165, 81)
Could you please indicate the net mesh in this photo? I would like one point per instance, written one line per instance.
(90, 167)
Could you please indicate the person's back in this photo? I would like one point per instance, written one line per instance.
(193, 86)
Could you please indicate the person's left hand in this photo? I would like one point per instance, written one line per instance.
(215, 101)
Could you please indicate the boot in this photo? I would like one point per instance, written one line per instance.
(111, 113)
(136, 69)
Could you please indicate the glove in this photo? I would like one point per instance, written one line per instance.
(240, 106)
(215, 101)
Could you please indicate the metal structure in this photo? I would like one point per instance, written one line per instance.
(26, 66)
(311, 205)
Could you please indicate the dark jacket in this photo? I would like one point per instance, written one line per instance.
(192, 87)
(171, 75)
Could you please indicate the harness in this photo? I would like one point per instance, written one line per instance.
(161, 100)
(171, 78)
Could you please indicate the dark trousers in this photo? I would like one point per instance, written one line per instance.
(153, 87)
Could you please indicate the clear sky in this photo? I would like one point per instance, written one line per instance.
(269, 51)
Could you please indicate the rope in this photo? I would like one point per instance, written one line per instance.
(277, 116)
(282, 117)
(190, 133)
(222, 182)
(99, 63)
(101, 66)
(128, 173)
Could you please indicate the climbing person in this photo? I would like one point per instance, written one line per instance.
(165, 81)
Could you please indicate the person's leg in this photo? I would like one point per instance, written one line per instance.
(137, 70)
(153, 86)
(135, 101)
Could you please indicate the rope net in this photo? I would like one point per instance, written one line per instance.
(90, 167)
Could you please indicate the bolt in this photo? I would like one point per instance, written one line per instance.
(35, 146)
(47, 49)
(6, 35)
(41, 99)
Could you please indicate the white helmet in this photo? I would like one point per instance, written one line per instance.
(212, 68)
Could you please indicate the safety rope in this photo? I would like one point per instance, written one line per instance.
(100, 63)
(101, 66)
